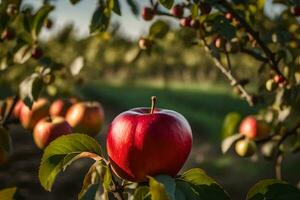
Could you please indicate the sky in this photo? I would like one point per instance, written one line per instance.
(81, 13)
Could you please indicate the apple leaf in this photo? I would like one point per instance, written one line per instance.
(39, 18)
(23, 54)
(142, 193)
(230, 124)
(162, 187)
(273, 189)
(133, 6)
(63, 151)
(98, 175)
(76, 65)
(229, 141)
(114, 5)
(100, 19)
(8, 193)
(74, 1)
(159, 29)
(195, 184)
(167, 3)
(30, 89)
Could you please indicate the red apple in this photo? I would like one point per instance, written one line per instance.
(295, 10)
(143, 142)
(177, 11)
(229, 16)
(86, 117)
(219, 42)
(148, 14)
(60, 107)
(48, 129)
(29, 118)
(17, 109)
(253, 128)
(186, 22)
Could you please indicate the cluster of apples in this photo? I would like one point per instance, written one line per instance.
(63, 116)
(252, 129)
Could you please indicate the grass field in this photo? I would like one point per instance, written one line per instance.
(204, 106)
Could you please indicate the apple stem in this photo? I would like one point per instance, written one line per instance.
(153, 103)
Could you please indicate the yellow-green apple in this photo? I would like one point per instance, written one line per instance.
(145, 142)
(30, 117)
(245, 147)
(86, 117)
(253, 128)
(60, 107)
(48, 129)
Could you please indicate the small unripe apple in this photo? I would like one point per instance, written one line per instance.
(177, 11)
(144, 142)
(195, 23)
(271, 85)
(8, 34)
(148, 13)
(12, 9)
(48, 129)
(86, 117)
(295, 10)
(185, 22)
(229, 16)
(205, 8)
(48, 23)
(253, 128)
(268, 149)
(145, 43)
(29, 118)
(219, 42)
(279, 79)
(37, 53)
(60, 107)
(245, 148)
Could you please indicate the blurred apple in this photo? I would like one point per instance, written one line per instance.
(245, 148)
(86, 117)
(60, 107)
(253, 128)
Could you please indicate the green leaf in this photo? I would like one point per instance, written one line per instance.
(133, 6)
(61, 151)
(223, 27)
(261, 4)
(159, 29)
(230, 124)
(30, 89)
(114, 5)
(162, 187)
(195, 11)
(167, 3)
(74, 1)
(195, 184)
(100, 175)
(8, 193)
(229, 141)
(76, 65)
(100, 19)
(273, 189)
(141, 193)
(23, 54)
(39, 19)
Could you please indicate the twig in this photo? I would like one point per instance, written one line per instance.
(10, 110)
(162, 13)
(254, 54)
(279, 155)
(255, 35)
(118, 189)
(228, 59)
(233, 81)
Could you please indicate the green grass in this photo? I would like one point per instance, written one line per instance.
(204, 107)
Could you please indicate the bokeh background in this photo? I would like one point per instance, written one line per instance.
(179, 73)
